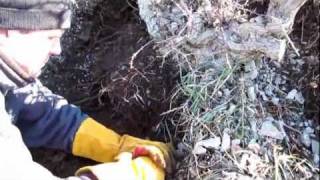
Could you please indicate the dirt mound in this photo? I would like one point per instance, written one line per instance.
(109, 67)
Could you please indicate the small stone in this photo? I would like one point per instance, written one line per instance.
(226, 92)
(275, 101)
(306, 124)
(199, 150)
(251, 94)
(232, 108)
(269, 90)
(251, 71)
(235, 38)
(309, 130)
(316, 159)
(226, 141)
(305, 139)
(291, 94)
(277, 80)
(202, 146)
(269, 129)
(263, 95)
(315, 146)
(295, 95)
(212, 143)
(301, 124)
(291, 123)
(299, 98)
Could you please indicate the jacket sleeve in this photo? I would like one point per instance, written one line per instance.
(15, 160)
(44, 119)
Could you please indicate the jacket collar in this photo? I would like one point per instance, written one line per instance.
(9, 78)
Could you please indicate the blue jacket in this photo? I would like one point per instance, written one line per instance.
(44, 119)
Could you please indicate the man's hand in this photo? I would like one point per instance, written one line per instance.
(125, 168)
(160, 158)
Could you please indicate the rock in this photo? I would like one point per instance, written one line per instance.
(199, 150)
(212, 143)
(315, 150)
(299, 98)
(315, 146)
(309, 130)
(295, 95)
(232, 108)
(181, 150)
(251, 71)
(226, 92)
(202, 146)
(305, 139)
(269, 90)
(270, 128)
(316, 159)
(275, 101)
(226, 141)
(292, 94)
(251, 94)
(277, 80)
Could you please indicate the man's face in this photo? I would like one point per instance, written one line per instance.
(31, 49)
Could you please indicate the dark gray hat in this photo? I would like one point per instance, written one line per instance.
(35, 14)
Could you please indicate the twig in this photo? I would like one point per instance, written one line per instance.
(134, 56)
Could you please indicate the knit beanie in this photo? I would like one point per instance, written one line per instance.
(35, 14)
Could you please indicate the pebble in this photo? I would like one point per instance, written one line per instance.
(251, 94)
(275, 101)
(315, 146)
(226, 141)
(263, 95)
(305, 138)
(309, 130)
(268, 90)
(251, 70)
(301, 124)
(315, 150)
(295, 95)
(291, 94)
(269, 129)
(226, 92)
(277, 80)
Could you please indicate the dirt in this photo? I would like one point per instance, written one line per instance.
(110, 69)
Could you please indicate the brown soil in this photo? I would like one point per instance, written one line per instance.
(123, 85)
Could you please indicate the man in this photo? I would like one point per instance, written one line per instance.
(32, 116)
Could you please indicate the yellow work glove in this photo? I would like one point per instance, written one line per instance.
(125, 168)
(96, 142)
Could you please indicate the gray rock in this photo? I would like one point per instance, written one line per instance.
(271, 128)
(251, 70)
(226, 92)
(291, 95)
(251, 94)
(277, 80)
(295, 95)
(275, 101)
(226, 141)
(305, 139)
(309, 130)
(263, 95)
(315, 146)
(269, 90)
